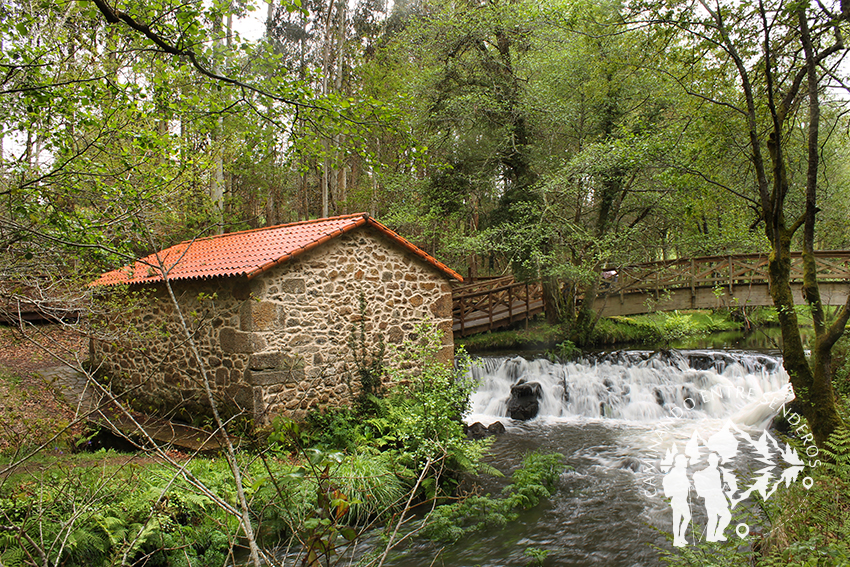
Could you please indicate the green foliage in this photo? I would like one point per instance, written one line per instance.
(429, 399)
(536, 556)
(536, 479)
(564, 351)
(95, 516)
(841, 361)
(375, 484)
(660, 327)
(837, 453)
(538, 335)
(103, 513)
(331, 428)
(706, 554)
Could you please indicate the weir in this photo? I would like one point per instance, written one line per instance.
(637, 386)
(616, 417)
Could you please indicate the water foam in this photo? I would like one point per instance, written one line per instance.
(636, 386)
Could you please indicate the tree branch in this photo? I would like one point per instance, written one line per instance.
(116, 16)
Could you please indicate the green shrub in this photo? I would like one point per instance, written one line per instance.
(536, 479)
(375, 484)
(331, 428)
(427, 402)
(841, 364)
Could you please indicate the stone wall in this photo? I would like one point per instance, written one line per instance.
(308, 309)
(280, 342)
(155, 368)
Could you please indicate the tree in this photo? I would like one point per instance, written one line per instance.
(784, 57)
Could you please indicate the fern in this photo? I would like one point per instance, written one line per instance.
(14, 557)
(837, 452)
(536, 479)
(87, 545)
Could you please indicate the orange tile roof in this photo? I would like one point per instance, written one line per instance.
(251, 252)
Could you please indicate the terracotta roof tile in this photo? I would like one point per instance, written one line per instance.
(251, 252)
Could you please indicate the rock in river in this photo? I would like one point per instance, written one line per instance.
(478, 431)
(525, 400)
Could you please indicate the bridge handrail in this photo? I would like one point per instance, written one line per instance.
(502, 297)
(714, 271)
(483, 283)
(489, 291)
(754, 255)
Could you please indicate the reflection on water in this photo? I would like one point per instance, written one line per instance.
(762, 339)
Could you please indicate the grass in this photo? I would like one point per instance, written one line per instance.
(661, 327)
(638, 329)
(539, 335)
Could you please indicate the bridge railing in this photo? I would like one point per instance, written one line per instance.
(719, 271)
(482, 284)
(493, 301)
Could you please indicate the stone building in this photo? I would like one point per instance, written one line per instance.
(272, 311)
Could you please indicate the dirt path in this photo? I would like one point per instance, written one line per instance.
(30, 411)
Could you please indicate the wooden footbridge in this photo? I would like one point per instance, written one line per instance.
(493, 303)
(714, 282)
(710, 282)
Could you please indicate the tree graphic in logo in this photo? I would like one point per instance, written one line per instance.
(713, 478)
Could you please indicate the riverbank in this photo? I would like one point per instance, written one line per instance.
(371, 460)
(652, 329)
(303, 493)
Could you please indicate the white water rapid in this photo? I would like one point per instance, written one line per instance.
(637, 386)
(612, 417)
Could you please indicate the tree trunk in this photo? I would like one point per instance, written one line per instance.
(552, 300)
(811, 380)
(217, 175)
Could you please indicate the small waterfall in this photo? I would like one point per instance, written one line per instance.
(636, 385)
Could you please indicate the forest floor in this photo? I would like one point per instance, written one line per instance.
(30, 411)
(33, 413)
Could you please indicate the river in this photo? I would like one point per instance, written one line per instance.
(615, 417)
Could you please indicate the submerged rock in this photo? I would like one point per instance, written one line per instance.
(525, 401)
(476, 431)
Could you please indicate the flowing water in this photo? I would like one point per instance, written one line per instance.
(606, 414)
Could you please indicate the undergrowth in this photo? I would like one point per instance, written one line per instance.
(535, 480)
(660, 327)
(316, 485)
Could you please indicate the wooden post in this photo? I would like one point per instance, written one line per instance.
(461, 318)
(730, 278)
(693, 284)
(510, 305)
(490, 309)
(527, 306)
(657, 277)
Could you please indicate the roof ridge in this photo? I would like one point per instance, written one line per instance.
(285, 225)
